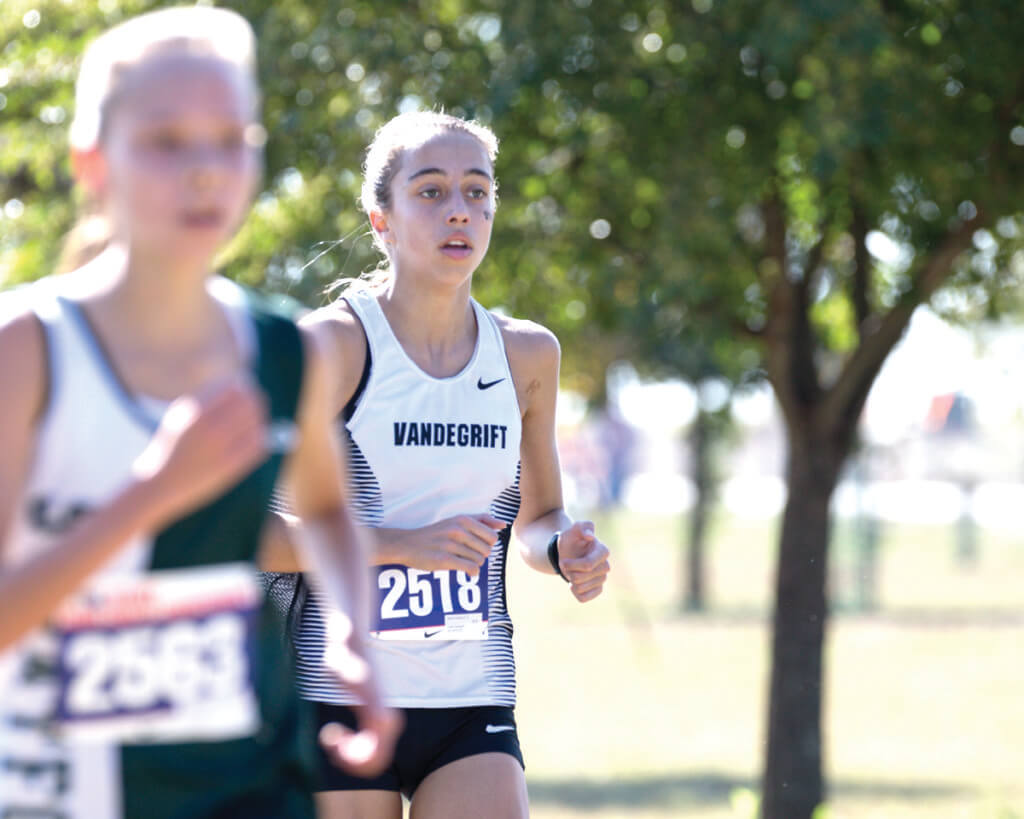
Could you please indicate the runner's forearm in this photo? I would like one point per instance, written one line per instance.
(532, 539)
(32, 590)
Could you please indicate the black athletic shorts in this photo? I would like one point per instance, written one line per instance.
(431, 738)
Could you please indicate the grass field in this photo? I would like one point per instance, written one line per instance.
(629, 708)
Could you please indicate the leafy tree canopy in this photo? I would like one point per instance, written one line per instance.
(642, 143)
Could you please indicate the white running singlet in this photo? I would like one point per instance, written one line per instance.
(73, 690)
(424, 449)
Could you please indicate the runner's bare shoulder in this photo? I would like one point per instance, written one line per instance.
(22, 359)
(533, 350)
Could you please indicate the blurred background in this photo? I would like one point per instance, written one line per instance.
(781, 245)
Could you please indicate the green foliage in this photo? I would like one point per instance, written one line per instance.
(640, 142)
(711, 189)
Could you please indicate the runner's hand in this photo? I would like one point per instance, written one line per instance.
(368, 750)
(583, 560)
(204, 444)
(461, 543)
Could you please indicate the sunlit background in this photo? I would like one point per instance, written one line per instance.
(923, 711)
(921, 460)
(717, 206)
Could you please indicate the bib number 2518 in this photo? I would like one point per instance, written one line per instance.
(415, 604)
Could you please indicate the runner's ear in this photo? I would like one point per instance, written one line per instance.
(379, 223)
(89, 167)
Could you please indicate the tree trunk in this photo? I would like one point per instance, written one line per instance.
(793, 783)
(820, 422)
(700, 442)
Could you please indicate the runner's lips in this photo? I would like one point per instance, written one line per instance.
(202, 218)
(457, 243)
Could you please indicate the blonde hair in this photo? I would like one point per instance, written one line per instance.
(383, 158)
(198, 31)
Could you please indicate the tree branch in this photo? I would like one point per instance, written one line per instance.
(845, 399)
(780, 297)
(788, 336)
(814, 257)
(861, 268)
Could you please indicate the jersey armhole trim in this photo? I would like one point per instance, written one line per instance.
(350, 411)
(353, 403)
(50, 372)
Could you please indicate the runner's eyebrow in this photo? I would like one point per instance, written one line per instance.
(470, 172)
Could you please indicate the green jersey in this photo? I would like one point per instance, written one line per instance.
(160, 690)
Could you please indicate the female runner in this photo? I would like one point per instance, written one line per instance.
(450, 412)
(148, 409)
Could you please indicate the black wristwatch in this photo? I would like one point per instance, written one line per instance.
(553, 556)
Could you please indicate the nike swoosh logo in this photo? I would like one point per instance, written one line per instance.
(486, 385)
(432, 633)
(497, 729)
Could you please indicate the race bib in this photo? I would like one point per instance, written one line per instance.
(414, 604)
(168, 656)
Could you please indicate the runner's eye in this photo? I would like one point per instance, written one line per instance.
(233, 141)
(166, 142)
